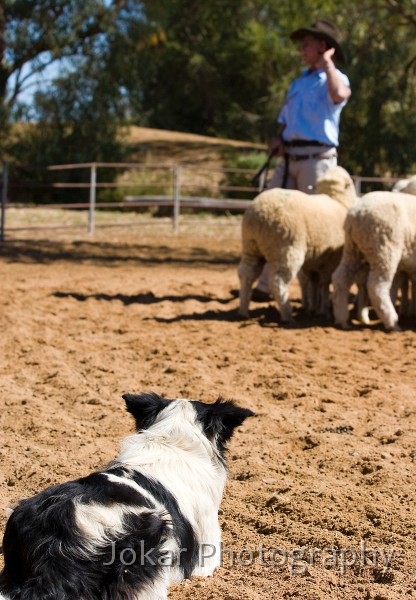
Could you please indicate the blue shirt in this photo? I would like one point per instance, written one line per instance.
(309, 112)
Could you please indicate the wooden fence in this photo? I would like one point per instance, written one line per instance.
(177, 199)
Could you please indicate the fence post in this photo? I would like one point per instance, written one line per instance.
(3, 200)
(93, 190)
(176, 197)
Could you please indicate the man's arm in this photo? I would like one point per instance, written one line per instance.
(336, 87)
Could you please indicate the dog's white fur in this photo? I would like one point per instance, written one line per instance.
(180, 452)
(176, 452)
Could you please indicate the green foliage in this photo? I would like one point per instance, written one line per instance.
(138, 182)
(223, 68)
(219, 68)
(245, 165)
(379, 122)
(34, 34)
(74, 127)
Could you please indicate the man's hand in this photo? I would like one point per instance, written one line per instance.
(325, 61)
(337, 89)
(277, 147)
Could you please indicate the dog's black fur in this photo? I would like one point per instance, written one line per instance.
(56, 545)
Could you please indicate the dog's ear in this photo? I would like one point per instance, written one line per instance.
(219, 420)
(144, 408)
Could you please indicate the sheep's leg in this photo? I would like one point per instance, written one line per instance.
(363, 301)
(342, 280)
(279, 288)
(379, 286)
(310, 291)
(249, 270)
(413, 297)
(398, 284)
(280, 277)
(343, 277)
(262, 283)
(410, 289)
(305, 287)
(401, 282)
(324, 302)
(315, 292)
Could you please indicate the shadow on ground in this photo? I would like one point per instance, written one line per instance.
(108, 254)
(147, 298)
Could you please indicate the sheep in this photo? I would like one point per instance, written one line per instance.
(315, 293)
(402, 282)
(380, 232)
(405, 186)
(292, 230)
(406, 284)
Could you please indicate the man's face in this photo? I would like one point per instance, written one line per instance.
(311, 49)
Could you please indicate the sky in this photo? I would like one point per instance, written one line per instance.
(36, 82)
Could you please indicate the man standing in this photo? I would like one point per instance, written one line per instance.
(310, 117)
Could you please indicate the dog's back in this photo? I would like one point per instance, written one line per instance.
(129, 531)
(94, 538)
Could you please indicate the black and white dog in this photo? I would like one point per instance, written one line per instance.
(149, 519)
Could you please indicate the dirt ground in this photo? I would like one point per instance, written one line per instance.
(320, 496)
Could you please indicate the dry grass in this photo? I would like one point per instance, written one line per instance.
(41, 223)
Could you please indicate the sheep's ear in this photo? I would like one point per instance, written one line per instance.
(145, 408)
(219, 420)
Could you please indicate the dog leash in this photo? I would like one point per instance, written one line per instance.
(256, 181)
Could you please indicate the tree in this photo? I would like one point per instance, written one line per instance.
(223, 68)
(377, 133)
(34, 34)
(219, 68)
(209, 67)
(78, 120)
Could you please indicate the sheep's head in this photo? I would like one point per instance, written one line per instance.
(409, 187)
(338, 185)
(400, 185)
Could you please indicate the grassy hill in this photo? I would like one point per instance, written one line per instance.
(158, 145)
(156, 151)
(203, 159)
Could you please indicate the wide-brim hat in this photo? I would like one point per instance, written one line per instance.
(323, 30)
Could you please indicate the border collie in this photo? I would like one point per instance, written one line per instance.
(150, 518)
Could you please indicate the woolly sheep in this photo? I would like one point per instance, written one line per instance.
(380, 231)
(405, 186)
(405, 283)
(401, 283)
(292, 230)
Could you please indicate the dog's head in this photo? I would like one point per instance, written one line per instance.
(216, 421)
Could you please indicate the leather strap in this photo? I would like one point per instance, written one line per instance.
(299, 157)
(300, 143)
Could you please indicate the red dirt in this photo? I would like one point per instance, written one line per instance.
(327, 463)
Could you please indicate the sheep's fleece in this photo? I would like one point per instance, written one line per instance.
(380, 230)
(289, 230)
(406, 186)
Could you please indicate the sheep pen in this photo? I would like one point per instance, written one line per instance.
(321, 482)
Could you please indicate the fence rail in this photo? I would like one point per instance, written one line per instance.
(175, 199)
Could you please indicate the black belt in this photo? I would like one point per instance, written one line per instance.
(295, 157)
(298, 143)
